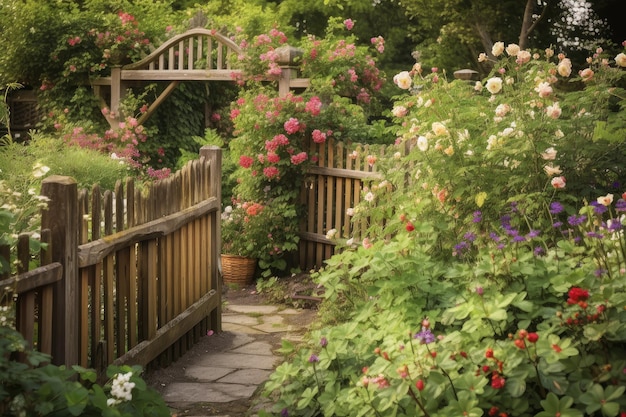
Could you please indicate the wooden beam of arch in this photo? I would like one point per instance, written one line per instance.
(196, 55)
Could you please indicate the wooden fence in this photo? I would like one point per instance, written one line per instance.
(128, 276)
(331, 187)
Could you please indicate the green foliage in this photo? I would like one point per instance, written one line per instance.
(35, 387)
(482, 286)
(86, 166)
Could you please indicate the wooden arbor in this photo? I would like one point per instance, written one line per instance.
(196, 55)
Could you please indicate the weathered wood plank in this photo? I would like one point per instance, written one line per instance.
(148, 350)
(343, 173)
(96, 251)
(180, 74)
(35, 278)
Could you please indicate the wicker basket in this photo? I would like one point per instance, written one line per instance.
(238, 269)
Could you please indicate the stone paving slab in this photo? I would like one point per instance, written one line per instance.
(193, 392)
(258, 309)
(240, 319)
(238, 328)
(255, 348)
(208, 373)
(237, 361)
(247, 376)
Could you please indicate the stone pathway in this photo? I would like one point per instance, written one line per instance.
(220, 376)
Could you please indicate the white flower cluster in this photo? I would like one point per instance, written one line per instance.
(121, 389)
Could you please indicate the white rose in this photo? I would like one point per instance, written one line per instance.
(494, 85)
(549, 154)
(422, 143)
(620, 60)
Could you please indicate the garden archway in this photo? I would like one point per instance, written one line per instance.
(197, 55)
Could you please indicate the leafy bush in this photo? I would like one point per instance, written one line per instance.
(491, 278)
(34, 387)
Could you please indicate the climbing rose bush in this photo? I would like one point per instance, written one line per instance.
(278, 138)
(490, 281)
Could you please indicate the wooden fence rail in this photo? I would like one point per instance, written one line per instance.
(128, 276)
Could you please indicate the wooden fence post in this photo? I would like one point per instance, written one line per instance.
(287, 57)
(214, 155)
(61, 219)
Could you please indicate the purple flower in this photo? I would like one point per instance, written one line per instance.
(284, 413)
(313, 358)
(478, 216)
(425, 336)
(557, 224)
(594, 235)
(519, 239)
(533, 233)
(480, 291)
(512, 232)
(494, 237)
(556, 207)
(505, 221)
(538, 251)
(323, 342)
(461, 247)
(599, 272)
(574, 220)
(599, 208)
(470, 236)
(620, 205)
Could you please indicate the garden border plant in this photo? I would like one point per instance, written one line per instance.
(496, 285)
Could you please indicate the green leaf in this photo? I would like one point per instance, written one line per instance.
(76, 400)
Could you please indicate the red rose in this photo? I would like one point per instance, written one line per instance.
(577, 294)
(419, 385)
(533, 337)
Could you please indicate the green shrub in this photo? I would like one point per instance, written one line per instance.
(33, 387)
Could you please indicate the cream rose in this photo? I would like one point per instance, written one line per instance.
(512, 49)
(544, 89)
(554, 111)
(497, 48)
(565, 67)
(551, 171)
(399, 111)
(403, 80)
(620, 59)
(605, 200)
(523, 57)
(439, 129)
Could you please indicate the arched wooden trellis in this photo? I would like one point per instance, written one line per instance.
(196, 55)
